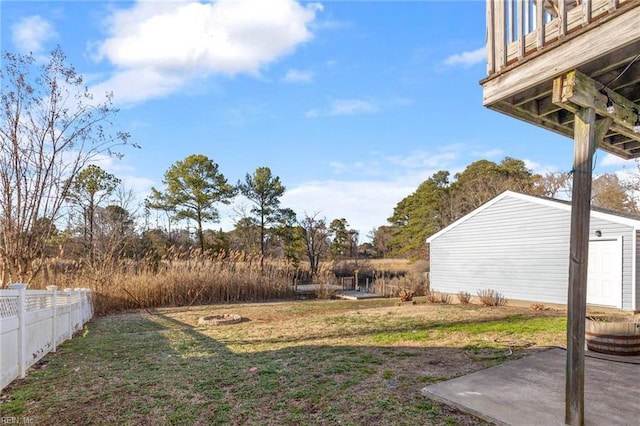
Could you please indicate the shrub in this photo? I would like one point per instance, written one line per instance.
(431, 296)
(490, 297)
(464, 298)
(406, 295)
(538, 307)
(445, 299)
(437, 297)
(325, 292)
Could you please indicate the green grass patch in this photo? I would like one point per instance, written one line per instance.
(512, 324)
(520, 326)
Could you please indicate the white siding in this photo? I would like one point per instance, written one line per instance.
(519, 248)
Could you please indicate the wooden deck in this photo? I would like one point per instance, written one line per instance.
(340, 292)
(357, 295)
(530, 45)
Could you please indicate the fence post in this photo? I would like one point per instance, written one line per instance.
(86, 305)
(22, 330)
(69, 312)
(78, 291)
(54, 307)
(90, 301)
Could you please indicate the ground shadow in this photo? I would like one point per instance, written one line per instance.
(142, 368)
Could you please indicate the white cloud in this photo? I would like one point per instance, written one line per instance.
(467, 58)
(140, 185)
(400, 102)
(351, 106)
(365, 204)
(242, 114)
(159, 46)
(298, 76)
(492, 153)
(532, 165)
(357, 106)
(136, 85)
(31, 33)
(441, 160)
(340, 167)
(610, 160)
(380, 183)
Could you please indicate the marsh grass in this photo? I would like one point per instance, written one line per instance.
(181, 278)
(190, 277)
(288, 363)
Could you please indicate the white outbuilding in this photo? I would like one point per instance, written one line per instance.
(518, 245)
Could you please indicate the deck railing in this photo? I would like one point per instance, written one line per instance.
(34, 322)
(518, 28)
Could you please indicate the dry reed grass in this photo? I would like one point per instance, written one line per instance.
(181, 278)
(186, 277)
(390, 285)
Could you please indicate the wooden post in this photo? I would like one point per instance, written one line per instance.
(587, 133)
(356, 284)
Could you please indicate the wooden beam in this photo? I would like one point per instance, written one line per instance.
(549, 123)
(575, 88)
(587, 134)
(604, 69)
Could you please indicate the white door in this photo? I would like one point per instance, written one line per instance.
(604, 284)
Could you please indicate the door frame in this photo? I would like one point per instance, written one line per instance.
(619, 253)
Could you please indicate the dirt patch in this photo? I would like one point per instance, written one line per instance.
(220, 319)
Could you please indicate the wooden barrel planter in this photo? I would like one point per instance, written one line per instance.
(613, 335)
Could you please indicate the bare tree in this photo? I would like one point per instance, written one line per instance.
(316, 238)
(115, 229)
(553, 185)
(50, 128)
(609, 192)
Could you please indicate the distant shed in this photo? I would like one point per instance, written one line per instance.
(518, 245)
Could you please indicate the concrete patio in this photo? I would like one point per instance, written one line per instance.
(530, 391)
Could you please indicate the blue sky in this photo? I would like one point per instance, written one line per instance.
(351, 103)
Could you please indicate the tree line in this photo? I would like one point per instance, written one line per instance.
(57, 203)
(440, 200)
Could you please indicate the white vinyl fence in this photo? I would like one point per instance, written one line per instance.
(34, 322)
